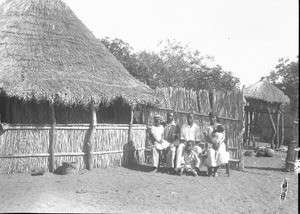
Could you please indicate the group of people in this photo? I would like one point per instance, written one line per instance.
(187, 150)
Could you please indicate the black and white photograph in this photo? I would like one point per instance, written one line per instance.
(149, 106)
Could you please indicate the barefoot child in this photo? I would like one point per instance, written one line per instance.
(190, 161)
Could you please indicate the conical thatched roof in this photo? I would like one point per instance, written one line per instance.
(47, 53)
(265, 91)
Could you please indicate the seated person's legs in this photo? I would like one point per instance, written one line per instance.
(190, 170)
(155, 157)
(179, 151)
(171, 152)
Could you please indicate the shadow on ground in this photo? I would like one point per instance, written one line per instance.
(140, 167)
(147, 168)
(266, 168)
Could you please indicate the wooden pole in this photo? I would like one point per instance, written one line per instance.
(130, 124)
(91, 137)
(282, 129)
(254, 127)
(277, 130)
(246, 128)
(292, 154)
(273, 127)
(52, 139)
(250, 128)
(130, 142)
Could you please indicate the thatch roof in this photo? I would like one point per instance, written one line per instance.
(265, 91)
(47, 53)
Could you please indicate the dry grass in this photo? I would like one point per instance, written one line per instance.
(47, 53)
(265, 91)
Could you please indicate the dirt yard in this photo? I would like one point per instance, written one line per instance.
(122, 190)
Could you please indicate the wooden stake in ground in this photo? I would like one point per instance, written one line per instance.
(278, 130)
(292, 153)
(91, 137)
(52, 139)
(130, 142)
(273, 127)
(282, 129)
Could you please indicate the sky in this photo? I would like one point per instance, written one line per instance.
(244, 37)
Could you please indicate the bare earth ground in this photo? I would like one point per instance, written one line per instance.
(122, 190)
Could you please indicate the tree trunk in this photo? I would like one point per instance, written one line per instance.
(246, 127)
(273, 127)
(251, 129)
(291, 156)
(52, 139)
(282, 129)
(91, 137)
(278, 130)
(130, 142)
(256, 115)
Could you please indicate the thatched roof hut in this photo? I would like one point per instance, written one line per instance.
(263, 90)
(47, 53)
(264, 102)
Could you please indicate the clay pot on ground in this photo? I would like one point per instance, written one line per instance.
(66, 169)
(270, 152)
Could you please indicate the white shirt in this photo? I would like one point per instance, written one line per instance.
(190, 132)
(190, 159)
(157, 132)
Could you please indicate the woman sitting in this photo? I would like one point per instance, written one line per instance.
(216, 152)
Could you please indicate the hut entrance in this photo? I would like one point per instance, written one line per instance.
(4, 110)
(257, 119)
(264, 98)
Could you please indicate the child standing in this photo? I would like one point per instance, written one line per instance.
(190, 161)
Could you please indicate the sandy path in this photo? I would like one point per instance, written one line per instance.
(122, 190)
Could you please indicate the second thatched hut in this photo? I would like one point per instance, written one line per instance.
(263, 98)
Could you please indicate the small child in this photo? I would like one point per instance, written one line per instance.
(190, 161)
(217, 136)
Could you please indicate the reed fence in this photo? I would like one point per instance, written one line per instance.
(228, 106)
(24, 148)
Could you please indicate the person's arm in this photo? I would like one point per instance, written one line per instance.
(197, 135)
(162, 134)
(182, 135)
(197, 160)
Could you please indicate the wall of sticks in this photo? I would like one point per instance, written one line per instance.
(229, 106)
(79, 134)
(24, 148)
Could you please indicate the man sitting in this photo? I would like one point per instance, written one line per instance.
(157, 140)
(171, 134)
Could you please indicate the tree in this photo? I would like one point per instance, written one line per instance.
(175, 65)
(123, 52)
(178, 65)
(286, 77)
